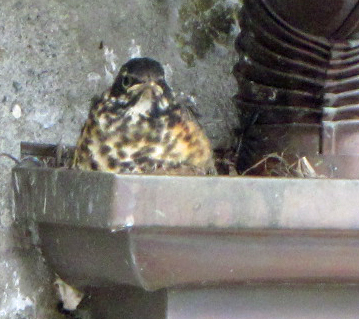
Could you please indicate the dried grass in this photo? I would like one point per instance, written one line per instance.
(276, 165)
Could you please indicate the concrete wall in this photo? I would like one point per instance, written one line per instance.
(55, 55)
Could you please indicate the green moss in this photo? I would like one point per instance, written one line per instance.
(188, 58)
(204, 23)
(203, 5)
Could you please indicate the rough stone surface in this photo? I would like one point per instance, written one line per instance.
(55, 55)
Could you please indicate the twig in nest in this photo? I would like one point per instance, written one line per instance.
(300, 168)
(264, 161)
(13, 158)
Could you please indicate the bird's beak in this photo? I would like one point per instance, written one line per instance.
(150, 92)
(149, 88)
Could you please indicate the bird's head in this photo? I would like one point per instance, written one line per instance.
(141, 88)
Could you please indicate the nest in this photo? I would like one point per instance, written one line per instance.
(277, 166)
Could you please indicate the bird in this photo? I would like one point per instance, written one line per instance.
(137, 126)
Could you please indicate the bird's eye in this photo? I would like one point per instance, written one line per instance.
(126, 81)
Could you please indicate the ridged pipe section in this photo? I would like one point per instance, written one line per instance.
(297, 90)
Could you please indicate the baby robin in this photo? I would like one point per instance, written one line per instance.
(137, 127)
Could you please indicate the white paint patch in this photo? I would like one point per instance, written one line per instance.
(134, 50)
(110, 65)
(47, 118)
(15, 304)
(168, 73)
(16, 111)
(192, 99)
(93, 77)
(16, 183)
(110, 58)
(109, 76)
(90, 207)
